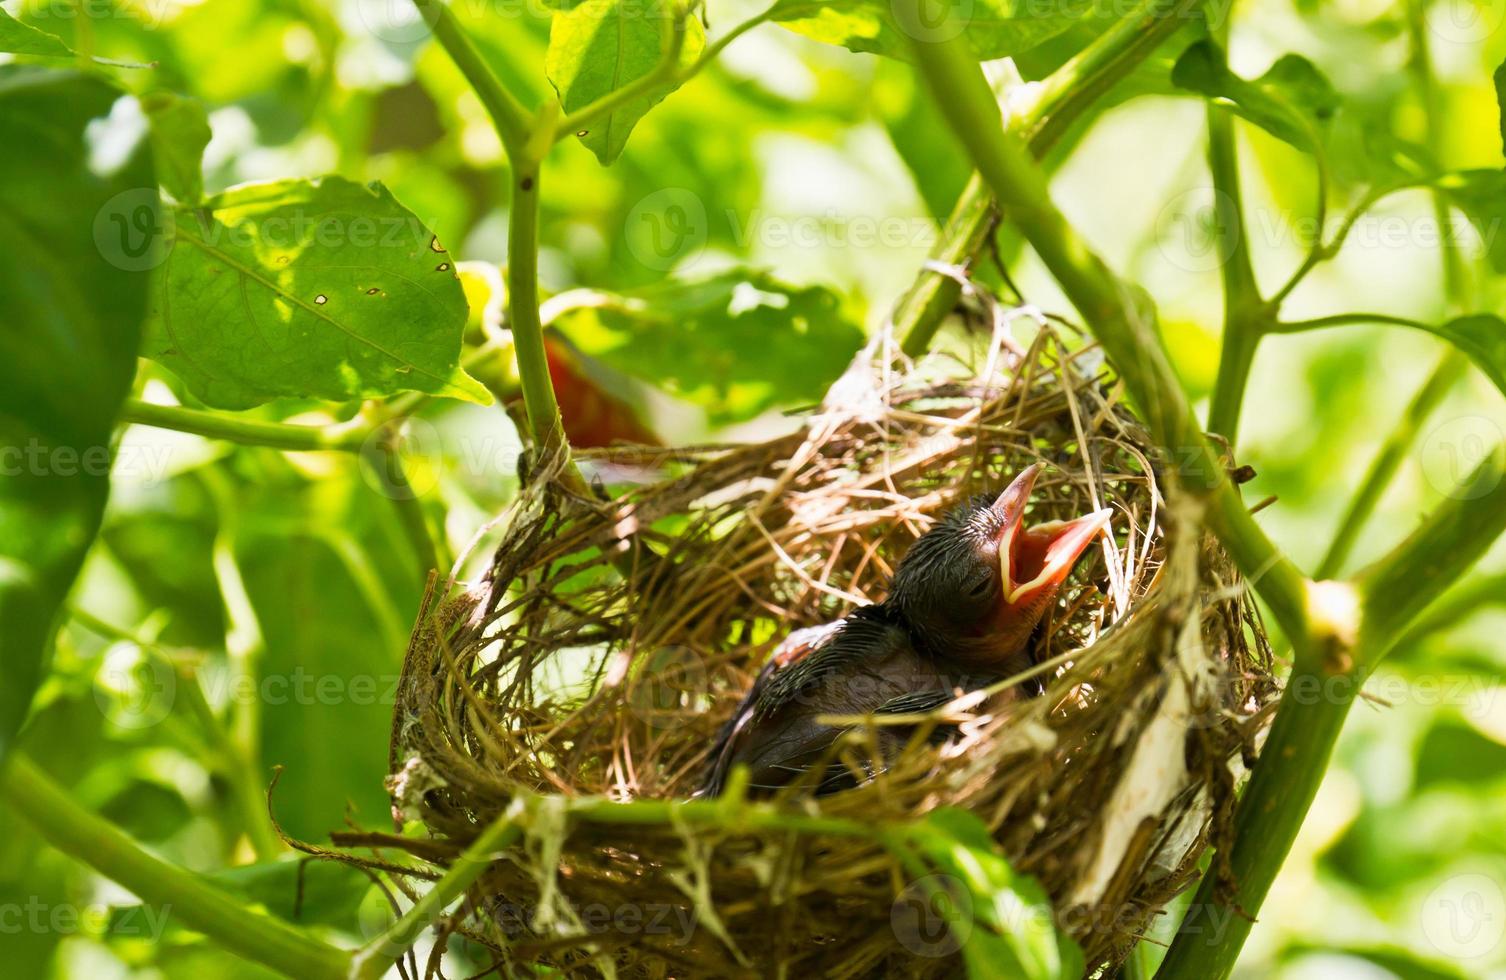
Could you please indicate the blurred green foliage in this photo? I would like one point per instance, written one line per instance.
(756, 224)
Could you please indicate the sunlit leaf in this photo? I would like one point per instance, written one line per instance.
(1013, 933)
(324, 289)
(19, 38)
(71, 307)
(995, 28)
(179, 132)
(1291, 101)
(600, 46)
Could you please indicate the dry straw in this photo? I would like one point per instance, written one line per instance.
(608, 642)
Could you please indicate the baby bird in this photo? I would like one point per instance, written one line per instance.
(959, 615)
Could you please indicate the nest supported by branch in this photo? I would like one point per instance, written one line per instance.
(608, 642)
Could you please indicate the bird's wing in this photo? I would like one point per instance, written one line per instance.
(804, 658)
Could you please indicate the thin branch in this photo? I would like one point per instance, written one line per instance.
(376, 957)
(381, 453)
(1344, 320)
(345, 437)
(1244, 311)
(1063, 99)
(1388, 460)
(236, 927)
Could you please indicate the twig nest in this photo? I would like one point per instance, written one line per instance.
(608, 642)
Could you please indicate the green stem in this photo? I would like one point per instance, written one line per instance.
(1399, 586)
(1344, 320)
(1297, 752)
(508, 116)
(1388, 460)
(237, 770)
(1121, 318)
(374, 959)
(1318, 696)
(1064, 97)
(525, 151)
(528, 331)
(1453, 607)
(1244, 311)
(346, 437)
(1275, 802)
(196, 903)
(382, 455)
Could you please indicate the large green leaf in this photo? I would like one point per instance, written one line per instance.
(19, 38)
(180, 131)
(1012, 933)
(1292, 101)
(597, 47)
(70, 316)
(712, 340)
(995, 28)
(295, 288)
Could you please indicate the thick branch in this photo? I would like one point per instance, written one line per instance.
(1119, 315)
(199, 905)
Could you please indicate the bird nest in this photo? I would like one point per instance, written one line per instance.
(607, 643)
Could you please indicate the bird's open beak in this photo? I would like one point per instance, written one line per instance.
(1035, 559)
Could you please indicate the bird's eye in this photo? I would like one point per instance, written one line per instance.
(979, 587)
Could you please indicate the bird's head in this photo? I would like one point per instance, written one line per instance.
(974, 587)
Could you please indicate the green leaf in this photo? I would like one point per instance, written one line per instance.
(322, 289)
(70, 320)
(994, 28)
(19, 38)
(179, 130)
(711, 340)
(1013, 933)
(1292, 101)
(1481, 195)
(600, 46)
